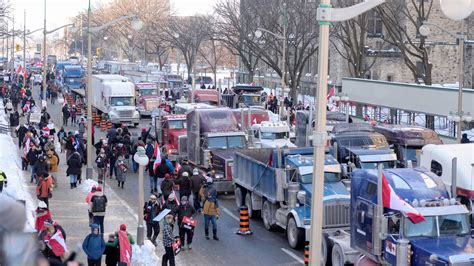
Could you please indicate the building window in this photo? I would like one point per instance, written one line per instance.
(374, 28)
(389, 77)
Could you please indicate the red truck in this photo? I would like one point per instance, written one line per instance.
(148, 97)
(173, 131)
(210, 97)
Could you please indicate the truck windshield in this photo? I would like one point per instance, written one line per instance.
(226, 142)
(251, 100)
(409, 152)
(454, 224)
(175, 84)
(148, 92)
(274, 135)
(73, 80)
(328, 177)
(177, 124)
(121, 101)
(373, 165)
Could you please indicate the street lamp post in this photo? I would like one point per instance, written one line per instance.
(142, 159)
(43, 96)
(325, 15)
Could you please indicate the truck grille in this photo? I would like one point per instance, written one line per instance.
(336, 215)
(126, 113)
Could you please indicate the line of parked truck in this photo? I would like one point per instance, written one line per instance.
(251, 155)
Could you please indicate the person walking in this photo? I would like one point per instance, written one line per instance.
(184, 183)
(124, 241)
(53, 161)
(3, 180)
(101, 162)
(168, 241)
(88, 201)
(73, 115)
(44, 188)
(66, 114)
(32, 157)
(151, 209)
(74, 164)
(62, 139)
(185, 210)
(122, 169)
(210, 208)
(196, 184)
(98, 206)
(167, 187)
(112, 254)
(94, 246)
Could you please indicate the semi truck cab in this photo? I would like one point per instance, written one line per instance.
(174, 127)
(271, 135)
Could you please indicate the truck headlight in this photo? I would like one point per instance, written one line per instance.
(136, 114)
(113, 115)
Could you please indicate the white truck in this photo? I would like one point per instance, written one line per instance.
(114, 96)
(271, 135)
(454, 163)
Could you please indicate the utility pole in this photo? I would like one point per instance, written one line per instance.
(13, 44)
(82, 39)
(44, 54)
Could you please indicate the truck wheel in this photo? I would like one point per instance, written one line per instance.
(294, 235)
(324, 252)
(248, 202)
(268, 215)
(337, 256)
(238, 196)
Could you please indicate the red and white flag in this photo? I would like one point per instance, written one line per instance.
(392, 201)
(177, 168)
(20, 71)
(26, 146)
(57, 244)
(331, 93)
(125, 248)
(157, 155)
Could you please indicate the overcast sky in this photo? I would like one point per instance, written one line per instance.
(58, 11)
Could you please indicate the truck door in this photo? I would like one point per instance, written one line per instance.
(364, 215)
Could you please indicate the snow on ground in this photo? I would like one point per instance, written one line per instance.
(10, 163)
(87, 185)
(144, 255)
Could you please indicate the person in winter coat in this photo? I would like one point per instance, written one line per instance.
(82, 127)
(101, 162)
(185, 167)
(41, 164)
(94, 246)
(49, 145)
(184, 183)
(122, 234)
(172, 204)
(42, 214)
(3, 180)
(185, 210)
(210, 208)
(122, 169)
(112, 254)
(151, 209)
(98, 210)
(74, 164)
(167, 186)
(14, 120)
(44, 188)
(65, 111)
(197, 181)
(73, 115)
(53, 161)
(21, 132)
(62, 139)
(54, 242)
(32, 157)
(465, 139)
(168, 241)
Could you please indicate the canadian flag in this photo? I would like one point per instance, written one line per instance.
(177, 168)
(20, 71)
(331, 93)
(157, 155)
(57, 244)
(392, 201)
(254, 121)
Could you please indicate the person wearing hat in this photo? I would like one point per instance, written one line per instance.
(98, 206)
(3, 180)
(94, 246)
(168, 241)
(53, 240)
(42, 214)
(52, 161)
(88, 201)
(74, 164)
(112, 254)
(210, 208)
(171, 204)
(65, 112)
(197, 181)
(44, 188)
(32, 157)
(184, 183)
(124, 239)
(185, 210)
(167, 186)
(151, 209)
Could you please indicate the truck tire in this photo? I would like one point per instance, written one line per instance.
(294, 235)
(337, 256)
(268, 215)
(248, 202)
(238, 196)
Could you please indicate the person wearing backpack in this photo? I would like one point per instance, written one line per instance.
(94, 246)
(98, 206)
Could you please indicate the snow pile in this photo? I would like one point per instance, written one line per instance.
(16, 188)
(87, 185)
(144, 255)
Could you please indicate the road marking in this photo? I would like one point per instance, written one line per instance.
(231, 214)
(293, 255)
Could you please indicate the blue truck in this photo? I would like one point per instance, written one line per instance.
(386, 236)
(277, 184)
(72, 77)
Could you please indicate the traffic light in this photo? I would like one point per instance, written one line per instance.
(17, 47)
(97, 51)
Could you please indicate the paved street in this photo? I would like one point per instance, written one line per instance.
(70, 210)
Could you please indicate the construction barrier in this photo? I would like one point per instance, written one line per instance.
(306, 255)
(109, 124)
(78, 110)
(104, 125)
(96, 120)
(244, 221)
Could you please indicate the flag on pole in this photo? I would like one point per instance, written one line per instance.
(57, 244)
(331, 93)
(157, 155)
(392, 201)
(21, 71)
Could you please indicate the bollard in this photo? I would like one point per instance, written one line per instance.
(104, 125)
(109, 124)
(244, 221)
(306, 255)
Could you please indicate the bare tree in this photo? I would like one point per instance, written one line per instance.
(350, 42)
(399, 19)
(187, 34)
